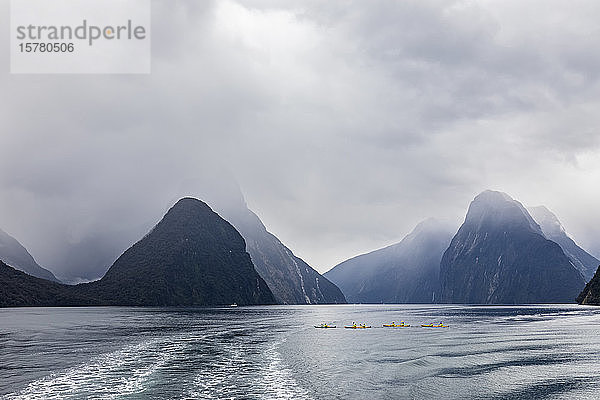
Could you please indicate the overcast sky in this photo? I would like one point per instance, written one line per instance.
(344, 122)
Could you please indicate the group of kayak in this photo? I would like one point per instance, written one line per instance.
(392, 325)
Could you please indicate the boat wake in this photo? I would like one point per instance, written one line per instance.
(108, 376)
(240, 374)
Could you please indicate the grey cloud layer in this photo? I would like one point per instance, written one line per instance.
(344, 122)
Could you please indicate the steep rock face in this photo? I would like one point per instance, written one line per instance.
(553, 230)
(500, 256)
(590, 295)
(15, 255)
(291, 280)
(406, 272)
(192, 257)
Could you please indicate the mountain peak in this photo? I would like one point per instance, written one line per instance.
(493, 196)
(493, 208)
(433, 224)
(405, 272)
(189, 202)
(500, 255)
(191, 257)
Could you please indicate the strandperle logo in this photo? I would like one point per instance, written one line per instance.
(80, 36)
(85, 31)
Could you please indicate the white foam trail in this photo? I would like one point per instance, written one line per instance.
(277, 380)
(108, 376)
(238, 375)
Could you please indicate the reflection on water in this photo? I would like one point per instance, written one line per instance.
(511, 352)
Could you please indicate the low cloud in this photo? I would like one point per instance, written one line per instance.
(344, 123)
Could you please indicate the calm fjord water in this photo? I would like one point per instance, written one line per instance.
(520, 352)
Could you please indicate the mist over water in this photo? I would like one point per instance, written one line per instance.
(499, 352)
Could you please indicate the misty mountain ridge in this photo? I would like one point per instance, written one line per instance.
(192, 257)
(290, 278)
(497, 208)
(501, 256)
(16, 255)
(554, 230)
(405, 272)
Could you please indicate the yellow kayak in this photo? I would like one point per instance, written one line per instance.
(440, 325)
(395, 325)
(324, 326)
(361, 326)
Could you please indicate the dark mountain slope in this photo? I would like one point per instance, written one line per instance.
(590, 295)
(500, 256)
(192, 257)
(19, 289)
(406, 272)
